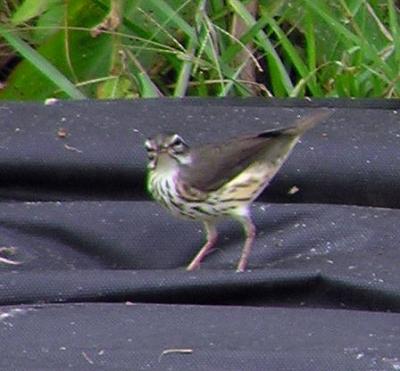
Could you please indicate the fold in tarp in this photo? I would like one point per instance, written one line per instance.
(95, 257)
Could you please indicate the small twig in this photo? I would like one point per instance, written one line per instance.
(70, 148)
(111, 22)
(293, 190)
(9, 250)
(175, 350)
(87, 358)
(8, 261)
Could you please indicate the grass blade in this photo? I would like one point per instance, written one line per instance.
(51, 72)
(148, 88)
(280, 78)
(395, 29)
(291, 51)
(184, 73)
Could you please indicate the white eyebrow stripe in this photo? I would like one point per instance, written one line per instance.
(149, 145)
(175, 137)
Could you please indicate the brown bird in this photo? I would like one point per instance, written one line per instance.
(214, 181)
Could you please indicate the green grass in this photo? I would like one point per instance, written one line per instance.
(109, 49)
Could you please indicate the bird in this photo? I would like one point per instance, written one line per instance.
(215, 181)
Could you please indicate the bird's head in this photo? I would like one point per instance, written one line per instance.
(167, 151)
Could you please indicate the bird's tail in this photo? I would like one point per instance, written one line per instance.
(308, 122)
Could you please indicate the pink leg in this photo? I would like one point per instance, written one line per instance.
(250, 231)
(211, 239)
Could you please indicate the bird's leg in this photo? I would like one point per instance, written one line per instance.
(250, 231)
(211, 232)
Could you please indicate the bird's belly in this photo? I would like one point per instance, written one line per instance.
(246, 186)
(165, 192)
(231, 199)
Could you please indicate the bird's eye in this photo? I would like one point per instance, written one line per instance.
(151, 154)
(177, 141)
(178, 145)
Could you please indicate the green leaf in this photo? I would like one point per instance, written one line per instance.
(82, 59)
(30, 9)
(49, 22)
(116, 87)
(147, 87)
(294, 56)
(172, 16)
(43, 65)
(184, 73)
(280, 78)
(395, 28)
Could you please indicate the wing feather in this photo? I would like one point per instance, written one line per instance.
(214, 165)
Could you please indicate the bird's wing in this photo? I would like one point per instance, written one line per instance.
(214, 165)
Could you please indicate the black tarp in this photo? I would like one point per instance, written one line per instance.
(101, 281)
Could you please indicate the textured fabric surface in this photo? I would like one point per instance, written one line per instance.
(101, 282)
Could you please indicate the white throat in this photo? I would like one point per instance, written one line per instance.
(166, 166)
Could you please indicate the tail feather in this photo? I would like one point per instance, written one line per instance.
(300, 126)
(308, 122)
